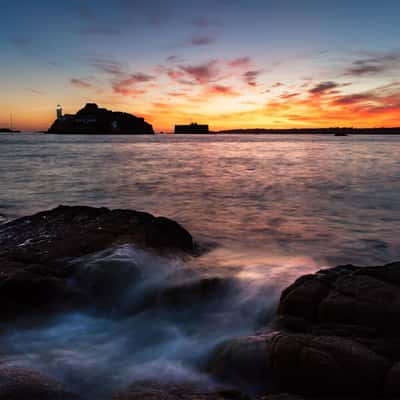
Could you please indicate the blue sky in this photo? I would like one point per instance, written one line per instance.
(55, 52)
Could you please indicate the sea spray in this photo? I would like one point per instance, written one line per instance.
(152, 318)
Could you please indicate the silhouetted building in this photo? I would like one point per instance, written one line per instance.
(192, 128)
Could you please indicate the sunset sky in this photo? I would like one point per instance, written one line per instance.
(232, 64)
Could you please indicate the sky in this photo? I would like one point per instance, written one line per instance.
(231, 64)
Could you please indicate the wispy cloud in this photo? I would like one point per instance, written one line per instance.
(250, 77)
(35, 91)
(203, 40)
(128, 86)
(22, 43)
(173, 59)
(93, 24)
(202, 21)
(81, 83)
(374, 64)
(323, 87)
(351, 99)
(107, 65)
(240, 62)
(202, 73)
(221, 90)
(100, 30)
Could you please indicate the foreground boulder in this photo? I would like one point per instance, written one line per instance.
(353, 300)
(35, 251)
(75, 231)
(336, 334)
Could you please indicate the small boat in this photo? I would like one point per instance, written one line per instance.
(341, 134)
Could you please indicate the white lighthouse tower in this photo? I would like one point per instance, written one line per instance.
(59, 111)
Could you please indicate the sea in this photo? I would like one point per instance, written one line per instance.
(266, 209)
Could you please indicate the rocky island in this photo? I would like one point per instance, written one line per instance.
(94, 120)
(334, 335)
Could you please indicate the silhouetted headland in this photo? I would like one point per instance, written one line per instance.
(316, 131)
(8, 130)
(94, 120)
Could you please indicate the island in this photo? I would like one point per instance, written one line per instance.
(92, 119)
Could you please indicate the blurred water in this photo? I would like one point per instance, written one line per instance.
(330, 198)
(269, 208)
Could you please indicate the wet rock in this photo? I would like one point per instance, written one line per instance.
(156, 391)
(243, 362)
(24, 291)
(338, 337)
(198, 292)
(325, 365)
(392, 382)
(75, 231)
(35, 272)
(349, 296)
(283, 396)
(23, 384)
(162, 232)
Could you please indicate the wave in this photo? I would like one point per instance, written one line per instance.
(152, 318)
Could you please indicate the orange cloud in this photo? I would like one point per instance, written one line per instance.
(219, 90)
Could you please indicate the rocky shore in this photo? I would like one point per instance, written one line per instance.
(335, 334)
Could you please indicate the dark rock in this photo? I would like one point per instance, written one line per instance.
(35, 273)
(325, 365)
(338, 338)
(243, 362)
(75, 231)
(157, 391)
(198, 292)
(353, 297)
(22, 384)
(282, 396)
(163, 232)
(94, 120)
(392, 382)
(23, 291)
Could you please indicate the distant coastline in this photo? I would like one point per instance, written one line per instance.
(314, 131)
(8, 130)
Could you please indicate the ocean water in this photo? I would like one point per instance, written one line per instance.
(267, 208)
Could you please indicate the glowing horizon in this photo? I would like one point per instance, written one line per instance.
(230, 66)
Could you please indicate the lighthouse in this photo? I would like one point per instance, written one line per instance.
(59, 112)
